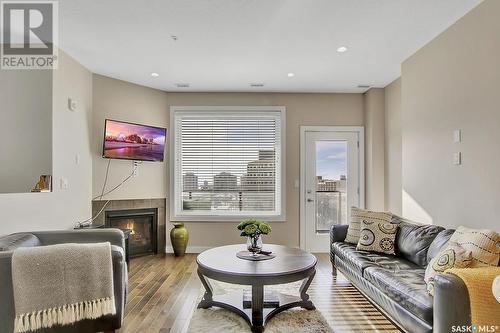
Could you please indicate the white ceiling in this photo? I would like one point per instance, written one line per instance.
(224, 45)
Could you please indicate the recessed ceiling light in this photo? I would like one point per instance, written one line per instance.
(256, 85)
(342, 49)
(363, 86)
(155, 74)
(182, 85)
(291, 74)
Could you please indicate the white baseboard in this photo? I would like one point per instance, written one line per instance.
(189, 249)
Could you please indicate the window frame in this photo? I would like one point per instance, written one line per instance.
(175, 213)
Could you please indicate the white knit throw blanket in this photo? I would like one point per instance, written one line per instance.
(61, 284)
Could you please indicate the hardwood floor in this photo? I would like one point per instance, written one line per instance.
(163, 291)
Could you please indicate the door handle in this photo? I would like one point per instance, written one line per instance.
(310, 200)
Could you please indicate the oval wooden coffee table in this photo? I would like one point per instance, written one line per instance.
(289, 265)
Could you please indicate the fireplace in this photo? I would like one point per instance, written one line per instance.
(143, 225)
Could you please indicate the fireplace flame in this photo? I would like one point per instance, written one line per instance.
(130, 225)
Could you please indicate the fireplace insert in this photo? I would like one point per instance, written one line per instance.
(142, 224)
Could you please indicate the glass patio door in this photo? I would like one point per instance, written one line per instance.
(332, 183)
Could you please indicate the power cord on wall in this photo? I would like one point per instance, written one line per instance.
(88, 222)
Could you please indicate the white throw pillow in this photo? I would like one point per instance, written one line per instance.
(483, 244)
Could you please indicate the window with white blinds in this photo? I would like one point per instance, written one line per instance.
(227, 163)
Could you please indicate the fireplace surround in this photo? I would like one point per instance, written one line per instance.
(135, 204)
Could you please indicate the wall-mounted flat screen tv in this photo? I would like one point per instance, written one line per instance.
(129, 141)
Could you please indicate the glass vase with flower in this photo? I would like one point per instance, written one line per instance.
(253, 230)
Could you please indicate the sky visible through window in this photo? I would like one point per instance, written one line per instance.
(331, 159)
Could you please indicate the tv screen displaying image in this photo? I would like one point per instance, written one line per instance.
(136, 142)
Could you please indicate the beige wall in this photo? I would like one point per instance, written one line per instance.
(126, 101)
(454, 83)
(71, 135)
(393, 166)
(374, 148)
(26, 127)
(119, 100)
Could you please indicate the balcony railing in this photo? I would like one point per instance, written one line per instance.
(229, 200)
(330, 210)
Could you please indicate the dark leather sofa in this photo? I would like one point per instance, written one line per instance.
(107, 323)
(395, 284)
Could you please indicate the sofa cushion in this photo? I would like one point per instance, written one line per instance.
(356, 260)
(439, 243)
(405, 287)
(392, 263)
(359, 260)
(413, 241)
(13, 241)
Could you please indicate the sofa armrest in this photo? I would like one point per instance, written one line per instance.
(114, 236)
(120, 283)
(338, 233)
(451, 303)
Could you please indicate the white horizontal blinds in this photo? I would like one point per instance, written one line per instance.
(228, 163)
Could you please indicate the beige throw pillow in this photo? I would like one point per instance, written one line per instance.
(483, 244)
(495, 288)
(377, 237)
(453, 255)
(357, 216)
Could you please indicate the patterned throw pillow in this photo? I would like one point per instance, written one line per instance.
(358, 215)
(495, 288)
(377, 237)
(452, 256)
(484, 245)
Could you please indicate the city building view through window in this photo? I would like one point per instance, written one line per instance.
(250, 190)
(331, 185)
(230, 166)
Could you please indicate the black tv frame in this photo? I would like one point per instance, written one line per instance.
(131, 159)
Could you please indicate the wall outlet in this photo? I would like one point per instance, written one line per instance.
(457, 158)
(64, 183)
(457, 136)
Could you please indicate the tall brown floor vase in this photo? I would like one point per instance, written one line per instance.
(179, 236)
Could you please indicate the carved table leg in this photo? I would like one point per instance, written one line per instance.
(257, 308)
(207, 300)
(306, 303)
